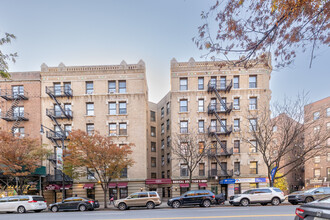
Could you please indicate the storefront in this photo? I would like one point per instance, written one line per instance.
(162, 186)
(237, 186)
(182, 186)
(118, 190)
(57, 191)
(90, 190)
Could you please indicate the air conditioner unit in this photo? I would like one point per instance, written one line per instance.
(236, 173)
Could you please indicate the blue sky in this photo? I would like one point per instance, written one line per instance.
(86, 32)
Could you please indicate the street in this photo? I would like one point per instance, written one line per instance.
(282, 212)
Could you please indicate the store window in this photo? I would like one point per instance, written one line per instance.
(91, 193)
(253, 167)
(254, 185)
(123, 193)
(237, 188)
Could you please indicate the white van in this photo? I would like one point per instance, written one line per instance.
(22, 204)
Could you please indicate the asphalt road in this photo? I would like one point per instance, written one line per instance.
(282, 212)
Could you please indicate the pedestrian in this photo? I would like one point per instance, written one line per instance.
(75, 195)
(111, 199)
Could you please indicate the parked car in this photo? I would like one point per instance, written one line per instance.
(261, 195)
(316, 210)
(139, 199)
(220, 199)
(308, 195)
(22, 204)
(204, 198)
(75, 203)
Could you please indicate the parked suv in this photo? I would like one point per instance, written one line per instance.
(261, 195)
(139, 199)
(22, 204)
(309, 195)
(204, 198)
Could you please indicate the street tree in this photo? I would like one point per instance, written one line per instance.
(4, 58)
(282, 137)
(19, 158)
(250, 28)
(100, 155)
(189, 150)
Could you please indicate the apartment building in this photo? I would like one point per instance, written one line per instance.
(216, 100)
(112, 99)
(317, 169)
(20, 104)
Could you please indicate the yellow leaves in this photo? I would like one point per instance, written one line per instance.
(207, 45)
(281, 182)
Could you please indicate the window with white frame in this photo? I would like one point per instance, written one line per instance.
(317, 173)
(19, 132)
(253, 103)
(89, 108)
(236, 124)
(183, 170)
(201, 105)
(112, 108)
(200, 83)
(122, 86)
(316, 115)
(123, 128)
(90, 129)
(183, 105)
(252, 81)
(67, 130)
(183, 127)
(89, 87)
(183, 84)
(112, 87)
(328, 112)
(317, 129)
(201, 126)
(253, 146)
(253, 124)
(236, 104)
(112, 129)
(122, 108)
(236, 82)
(317, 159)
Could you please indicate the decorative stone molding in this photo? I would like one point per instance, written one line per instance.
(44, 67)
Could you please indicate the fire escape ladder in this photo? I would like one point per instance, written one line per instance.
(223, 147)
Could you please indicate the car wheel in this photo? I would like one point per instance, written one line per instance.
(150, 205)
(276, 201)
(122, 206)
(309, 199)
(54, 209)
(82, 208)
(263, 204)
(176, 204)
(37, 210)
(206, 203)
(294, 203)
(245, 202)
(21, 209)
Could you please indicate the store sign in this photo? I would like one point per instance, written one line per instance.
(187, 181)
(227, 181)
(260, 180)
(315, 181)
(59, 158)
(158, 181)
(247, 180)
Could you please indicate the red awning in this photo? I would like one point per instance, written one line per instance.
(89, 186)
(112, 185)
(66, 186)
(52, 187)
(202, 184)
(184, 185)
(122, 185)
(158, 181)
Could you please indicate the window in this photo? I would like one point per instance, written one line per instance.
(201, 126)
(274, 128)
(168, 141)
(254, 167)
(183, 170)
(236, 82)
(112, 108)
(317, 173)
(89, 108)
(236, 146)
(123, 173)
(162, 112)
(89, 88)
(253, 103)
(316, 129)
(163, 176)
(19, 132)
(236, 124)
(201, 146)
(162, 128)
(168, 176)
(90, 174)
(122, 86)
(317, 159)
(112, 87)
(201, 169)
(184, 127)
(328, 112)
(222, 82)
(57, 89)
(153, 131)
(58, 132)
(328, 157)
(19, 90)
(122, 129)
(18, 112)
(316, 115)
(237, 168)
(112, 129)
(152, 116)
(163, 161)
(214, 169)
(68, 109)
(168, 158)
(201, 105)
(122, 108)
(90, 129)
(183, 84)
(162, 144)
(252, 81)
(254, 185)
(168, 124)
(153, 146)
(184, 105)
(168, 108)
(237, 188)
(200, 83)
(67, 130)
(153, 162)
(236, 104)
(153, 175)
(253, 146)
(67, 88)
(223, 105)
(253, 124)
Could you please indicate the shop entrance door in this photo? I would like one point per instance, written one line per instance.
(224, 188)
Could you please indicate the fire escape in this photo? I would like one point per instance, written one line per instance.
(219, 127)
(15, 113)
(58, 135)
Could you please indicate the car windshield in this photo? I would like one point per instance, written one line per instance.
(310, 190)
(325, 200)
(248, 192)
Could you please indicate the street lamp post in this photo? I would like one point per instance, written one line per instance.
(62, 141)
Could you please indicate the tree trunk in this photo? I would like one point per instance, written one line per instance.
(105, 196)
(190, 179)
